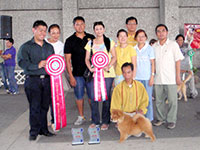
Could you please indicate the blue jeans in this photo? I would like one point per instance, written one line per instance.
(10, 74)
(3, 75)
(149, 90)
(106, 104)
(79, 90)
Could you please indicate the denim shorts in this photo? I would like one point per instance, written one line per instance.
(79, 89)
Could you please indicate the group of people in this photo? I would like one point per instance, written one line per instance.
(7, 67)
(134, 67)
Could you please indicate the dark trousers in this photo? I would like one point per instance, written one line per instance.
(106, 104)
(38, 93)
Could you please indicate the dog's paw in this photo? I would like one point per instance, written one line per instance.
(121, 141)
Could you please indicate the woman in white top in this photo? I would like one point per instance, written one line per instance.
(54, 35)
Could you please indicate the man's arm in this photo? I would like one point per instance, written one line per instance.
(24, 60)
(5, 57)
(178, 70)
(116, 101)
(69, 69)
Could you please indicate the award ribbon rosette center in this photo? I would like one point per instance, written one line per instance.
(55, 67)
(99, 61)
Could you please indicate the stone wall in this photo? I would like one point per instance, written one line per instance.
(174, 13)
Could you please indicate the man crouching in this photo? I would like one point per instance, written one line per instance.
(131, 98)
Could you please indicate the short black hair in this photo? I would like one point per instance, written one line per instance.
(98, 23)
(161, 25)
(122, 30)
(152, 41)
(39, 23)
(10, 40)
(180, 35)
(53, 26)
(126, 65)
(78, 18)
(131, 18)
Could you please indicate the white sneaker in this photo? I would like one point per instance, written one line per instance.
(79, 121)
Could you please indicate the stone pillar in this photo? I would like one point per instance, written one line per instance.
(169, 15)
(69, 11)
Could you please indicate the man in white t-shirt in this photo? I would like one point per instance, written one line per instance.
(168, 57)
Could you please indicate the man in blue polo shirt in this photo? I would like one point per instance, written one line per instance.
(9, 66)
(2, 70)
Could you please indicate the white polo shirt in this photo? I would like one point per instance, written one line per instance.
(166, 56)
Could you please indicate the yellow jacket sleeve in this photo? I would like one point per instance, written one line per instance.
(116, 101)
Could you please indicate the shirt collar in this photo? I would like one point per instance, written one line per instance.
(33, 41)
(167, 42)
(129, 35)
(76, 36)
(128, 85)
(145, 46)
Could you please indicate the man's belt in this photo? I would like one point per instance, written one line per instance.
(38, 76)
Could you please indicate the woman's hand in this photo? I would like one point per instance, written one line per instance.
(106, 68)
(151, 81)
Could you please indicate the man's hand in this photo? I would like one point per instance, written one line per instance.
(72, 81)
(140, 111)
(178, 80)
(42, 64)
(92, 69)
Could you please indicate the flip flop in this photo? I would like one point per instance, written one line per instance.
(104, 127)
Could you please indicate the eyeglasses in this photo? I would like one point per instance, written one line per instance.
(132, 24)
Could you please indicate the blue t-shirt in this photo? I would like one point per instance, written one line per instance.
(11, 61)
(144, 57)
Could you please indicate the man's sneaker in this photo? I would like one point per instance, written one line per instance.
(171, 125)
(15, 93)
(193, 96)
(8, 92)
(158, 123)
(79, 121)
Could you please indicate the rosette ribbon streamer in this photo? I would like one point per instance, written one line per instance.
(191, 54)
(99, 61)
(55, 67)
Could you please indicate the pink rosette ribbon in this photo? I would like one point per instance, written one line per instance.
(99, 61)
(55, 67)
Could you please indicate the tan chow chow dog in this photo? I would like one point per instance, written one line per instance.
(135, 125)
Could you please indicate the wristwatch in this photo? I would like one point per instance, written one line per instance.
(153, 74)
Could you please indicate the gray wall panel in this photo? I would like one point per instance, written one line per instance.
(114, 20)
(117, 3)
(30, 4)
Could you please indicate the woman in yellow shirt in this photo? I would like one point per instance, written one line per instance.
(101, 43)
(125, 53)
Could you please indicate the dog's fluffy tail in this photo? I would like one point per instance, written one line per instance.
(145, 125)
